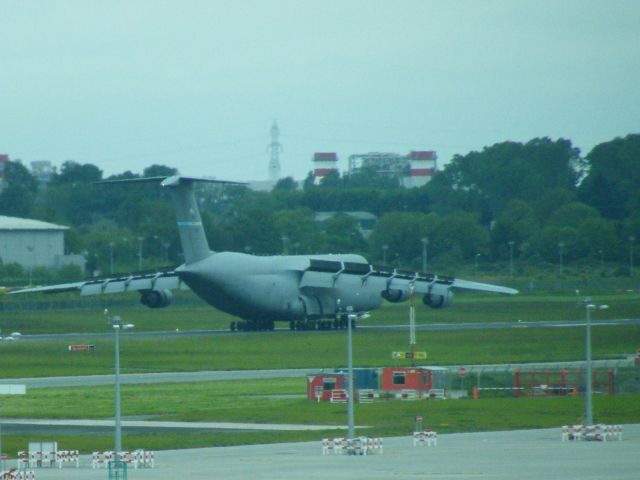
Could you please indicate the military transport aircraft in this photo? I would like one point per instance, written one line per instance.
(309, 291)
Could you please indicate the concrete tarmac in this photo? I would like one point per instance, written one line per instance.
(522, 455)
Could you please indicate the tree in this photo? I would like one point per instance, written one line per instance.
(73, 172)
(612, 184)
(18, 196)
(286, 184)
(159, 171)
(508, 170)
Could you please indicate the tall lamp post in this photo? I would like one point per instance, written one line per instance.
(116, 323)
(511, 244)
(384, 254)
(140, 240)
(425, 242)
(560, 252)
(589, 389)
(632, 239)
(111, 257)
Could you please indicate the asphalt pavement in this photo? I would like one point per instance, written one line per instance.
(521, 454)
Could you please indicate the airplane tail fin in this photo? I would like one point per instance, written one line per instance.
(192, 237)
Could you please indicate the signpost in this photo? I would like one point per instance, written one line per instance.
(409, 355)
(11, 389)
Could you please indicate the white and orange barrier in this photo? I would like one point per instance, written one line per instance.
(374, 445)
(22, 460)
(102, 459)
(598, 432)
(68, 456)
(356, 446)
(338, 396)
(327, 446)
(425, 437)
(15, 474)
(145, 458)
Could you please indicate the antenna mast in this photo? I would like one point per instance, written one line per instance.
(275, 148)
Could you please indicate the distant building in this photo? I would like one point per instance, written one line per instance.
(422, 165)
(323, 164)
(412, 170)
(33, 243)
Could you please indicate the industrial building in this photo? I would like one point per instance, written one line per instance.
(33, 243)
(412, 170)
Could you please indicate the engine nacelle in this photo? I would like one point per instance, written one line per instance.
(395, 296)
(438, 301)
(156, 298)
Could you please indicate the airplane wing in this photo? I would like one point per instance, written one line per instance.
(327, 274)
(166, 280)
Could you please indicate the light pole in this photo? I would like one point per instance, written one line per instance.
(350, 415)
(116, 323)
(601, 253)
(425, 242)
(589, 389)
(560, 252)
(285, 240)
(111, 257)
(165, 252)
(140, 240)
(477, 256)
(632, 239)
(511, 244)
(384, 254)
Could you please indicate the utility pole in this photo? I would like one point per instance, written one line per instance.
(425, 242)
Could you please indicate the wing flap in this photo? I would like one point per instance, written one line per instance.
(326, 275)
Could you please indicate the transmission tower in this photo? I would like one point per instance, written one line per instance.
(275, 148)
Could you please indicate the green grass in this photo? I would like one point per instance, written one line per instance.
(311, 350)
(238, 401)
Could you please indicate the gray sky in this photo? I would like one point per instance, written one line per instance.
(196, 84)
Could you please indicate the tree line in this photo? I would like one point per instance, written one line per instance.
(536, 203)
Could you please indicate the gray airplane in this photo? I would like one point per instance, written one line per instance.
(308, 291)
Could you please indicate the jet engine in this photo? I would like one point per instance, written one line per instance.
(438, 301)
(395, 296)
(156, 298)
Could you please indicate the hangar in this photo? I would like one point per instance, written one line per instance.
(33, 243)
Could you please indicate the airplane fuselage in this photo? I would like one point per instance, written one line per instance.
(272, 288)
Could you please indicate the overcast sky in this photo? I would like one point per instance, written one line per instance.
(196, 84)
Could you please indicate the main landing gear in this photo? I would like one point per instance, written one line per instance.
(309, 324)
(252, 326)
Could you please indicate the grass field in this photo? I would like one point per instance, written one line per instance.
(277, 350)
(237, 401)
(254, 402)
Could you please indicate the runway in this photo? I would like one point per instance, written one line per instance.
(521, 454)
(427, 327)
